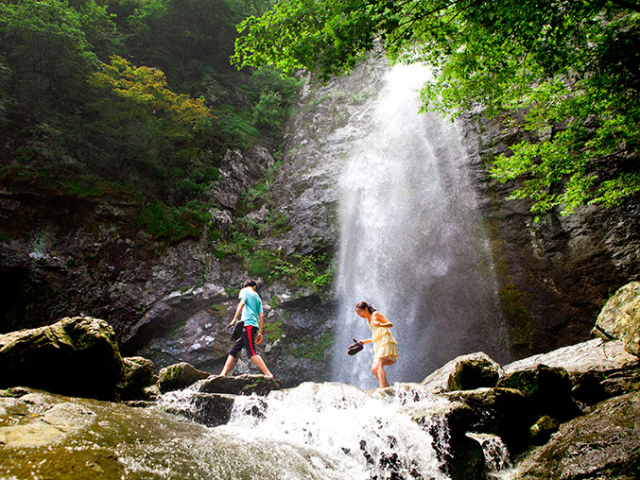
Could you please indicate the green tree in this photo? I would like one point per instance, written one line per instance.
(142, 131)
(46, 58)
(572, 66)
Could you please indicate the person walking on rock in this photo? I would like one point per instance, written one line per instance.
(384, 344)
(250, 307)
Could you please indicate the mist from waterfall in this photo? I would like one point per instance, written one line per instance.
(412, 242)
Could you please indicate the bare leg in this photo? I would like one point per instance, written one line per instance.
(228, 364)
(378, 371)
(257, 359)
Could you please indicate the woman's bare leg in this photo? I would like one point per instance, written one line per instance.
(378, 371)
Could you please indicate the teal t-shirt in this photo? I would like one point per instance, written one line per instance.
(252, 307)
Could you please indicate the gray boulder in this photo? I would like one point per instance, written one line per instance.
(592, 355)
(240, 385)
(179, 376)
(620, 318)
(76, 356)
(603, 444)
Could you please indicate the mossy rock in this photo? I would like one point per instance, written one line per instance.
(139, 374)
(601, 444)
(179, 376)
(473, 373)
(620, 318)
(76, 356)
(542, 430)
(549, 388)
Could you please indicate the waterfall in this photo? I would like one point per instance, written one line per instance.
(412, 242)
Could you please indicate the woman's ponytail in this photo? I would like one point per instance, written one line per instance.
(365, 305)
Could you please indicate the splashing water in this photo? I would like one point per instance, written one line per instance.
(497, 463)
(341, 430)
(412, 243)
(329, 431)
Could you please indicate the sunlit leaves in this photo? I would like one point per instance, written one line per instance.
(148, 86)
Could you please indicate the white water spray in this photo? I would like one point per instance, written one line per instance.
(412, 244)
(344, 432)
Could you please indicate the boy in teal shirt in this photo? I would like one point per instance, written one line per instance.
(251, 308)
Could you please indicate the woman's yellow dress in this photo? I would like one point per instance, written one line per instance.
(384, 344)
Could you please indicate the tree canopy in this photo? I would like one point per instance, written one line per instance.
(131, 93)
(573, 67)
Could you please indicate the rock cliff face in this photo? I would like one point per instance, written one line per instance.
(63, 254)
(555, 275)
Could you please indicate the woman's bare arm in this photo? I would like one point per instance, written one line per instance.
(379, 320)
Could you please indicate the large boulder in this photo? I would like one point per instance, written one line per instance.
(76, 356)
(179, 376)
(505, 412)
(469, 365)
(240, 385)
(620, 318)
(603, 444)
(590, 356)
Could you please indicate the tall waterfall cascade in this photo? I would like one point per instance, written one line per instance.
(412, 242)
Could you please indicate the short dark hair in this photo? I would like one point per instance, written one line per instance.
(250, 283)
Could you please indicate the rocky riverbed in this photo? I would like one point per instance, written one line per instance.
(571, 413)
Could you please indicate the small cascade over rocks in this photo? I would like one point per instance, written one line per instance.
(362, 435)
(332, 431)
(335, 431)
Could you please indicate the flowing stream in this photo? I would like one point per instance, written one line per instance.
(412, 240)
(328, 431)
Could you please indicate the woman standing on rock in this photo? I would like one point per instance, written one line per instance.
(384, 345)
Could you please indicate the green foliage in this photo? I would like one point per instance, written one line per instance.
(219, 310)
(171, 223)
(313, 347)
(280, 224)
(273, 330)
(45, 56)
(70, 180)
(573, 67)
(158, 115)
